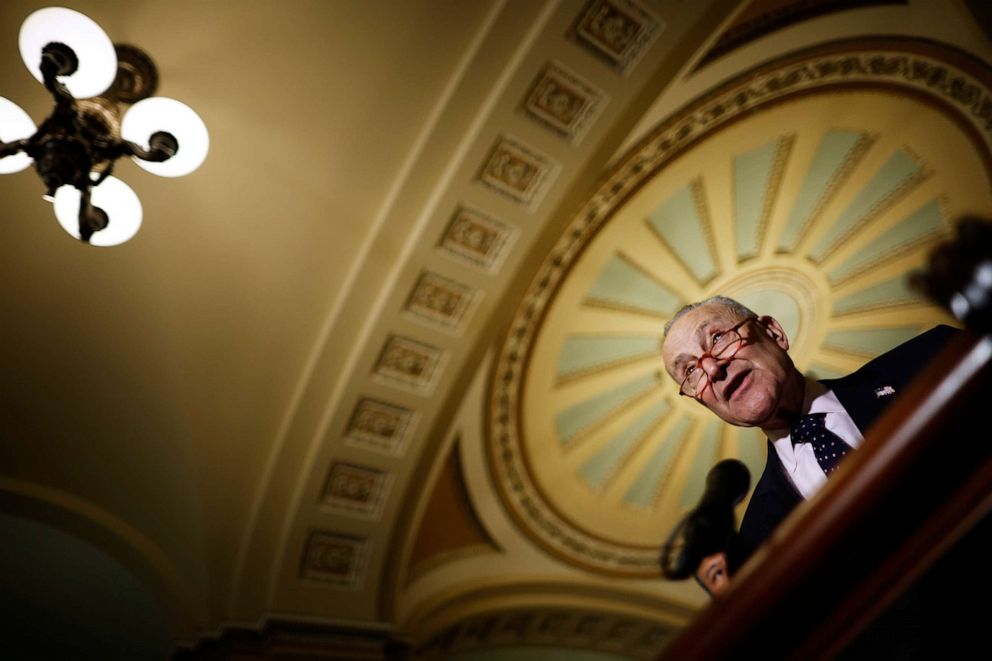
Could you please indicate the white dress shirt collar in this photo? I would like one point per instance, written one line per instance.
(799, 461)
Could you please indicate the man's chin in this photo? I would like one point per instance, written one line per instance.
(749, 416)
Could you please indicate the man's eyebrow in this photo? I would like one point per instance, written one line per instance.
(680, 361)
(703, 332)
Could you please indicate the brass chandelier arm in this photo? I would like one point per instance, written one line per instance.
(13, 147)
(161, 147)
(91, 218)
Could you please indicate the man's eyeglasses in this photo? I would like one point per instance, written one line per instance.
(725, 346)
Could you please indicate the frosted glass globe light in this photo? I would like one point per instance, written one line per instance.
(121, 204)
(15, 124)
(159, 113)
(93, 48)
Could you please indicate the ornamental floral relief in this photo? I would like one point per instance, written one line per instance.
(563, 102)
(354, 489)
(410, 363)
(474, 238)
(335, 559)
(518, 172)
(441, 301)
(381, 426)
(617, 31)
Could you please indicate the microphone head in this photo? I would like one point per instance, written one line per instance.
(709, 527)
(727, 482)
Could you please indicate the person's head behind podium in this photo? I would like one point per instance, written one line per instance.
(715, 570)
(713, 574)
(734, 362)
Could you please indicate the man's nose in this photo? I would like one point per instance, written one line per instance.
(714, 367)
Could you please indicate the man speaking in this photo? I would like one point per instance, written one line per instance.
(736, 363)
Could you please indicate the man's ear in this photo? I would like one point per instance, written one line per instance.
(774, 330)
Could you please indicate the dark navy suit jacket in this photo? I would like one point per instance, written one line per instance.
(774, 496)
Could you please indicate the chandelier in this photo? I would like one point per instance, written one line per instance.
(75, 147)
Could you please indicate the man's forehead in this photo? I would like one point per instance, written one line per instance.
(689, 324)
(687, 334)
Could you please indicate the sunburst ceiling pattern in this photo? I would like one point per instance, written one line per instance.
(812, 211)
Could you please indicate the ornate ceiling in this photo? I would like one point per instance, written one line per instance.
(387, 366)
(793, 191)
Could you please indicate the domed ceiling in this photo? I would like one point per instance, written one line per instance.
(797, 194)
(266, 404)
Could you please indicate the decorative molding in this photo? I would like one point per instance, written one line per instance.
(518, 172)
(782, 153)
(949, 79)
(440, 301)
(617, 31)
(554, 628)
(564, 102)
(381, 426)
(667, 225)
(584, 344)
(837, 180)
(613, 303)
(890, 247)
(779, 17)
(354, 489)
(822, 253)
(409, 363)
(283, 638)
(477, 239)
(335, 559)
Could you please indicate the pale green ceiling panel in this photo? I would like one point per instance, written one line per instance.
(924, 222)
(706, 455)
(836, 154)
(775, 303)
(624, 285)
(870, 341)
(586, 414)
(583, 353)
(645, 489)
(604, 464)
(890, 292)
(679, 223)
(891, 180)
(752, 178)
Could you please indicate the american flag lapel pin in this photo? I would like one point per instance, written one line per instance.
(884, 391)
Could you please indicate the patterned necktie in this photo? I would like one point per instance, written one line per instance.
(827, 446)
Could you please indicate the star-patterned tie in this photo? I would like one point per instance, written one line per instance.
(827, 446)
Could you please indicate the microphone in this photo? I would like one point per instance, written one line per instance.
(709, 527)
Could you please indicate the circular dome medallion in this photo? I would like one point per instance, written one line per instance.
(812, 211)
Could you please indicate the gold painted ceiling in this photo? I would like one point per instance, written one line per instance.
(419, 283)
(811, 205)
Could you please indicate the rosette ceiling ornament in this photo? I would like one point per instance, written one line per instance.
(74, 149)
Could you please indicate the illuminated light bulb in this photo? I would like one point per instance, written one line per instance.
(119, 202)
(159, 113)
(15, 124)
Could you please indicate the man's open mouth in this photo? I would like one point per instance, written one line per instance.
(736, 381)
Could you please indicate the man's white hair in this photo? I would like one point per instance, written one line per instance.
(738, 308)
